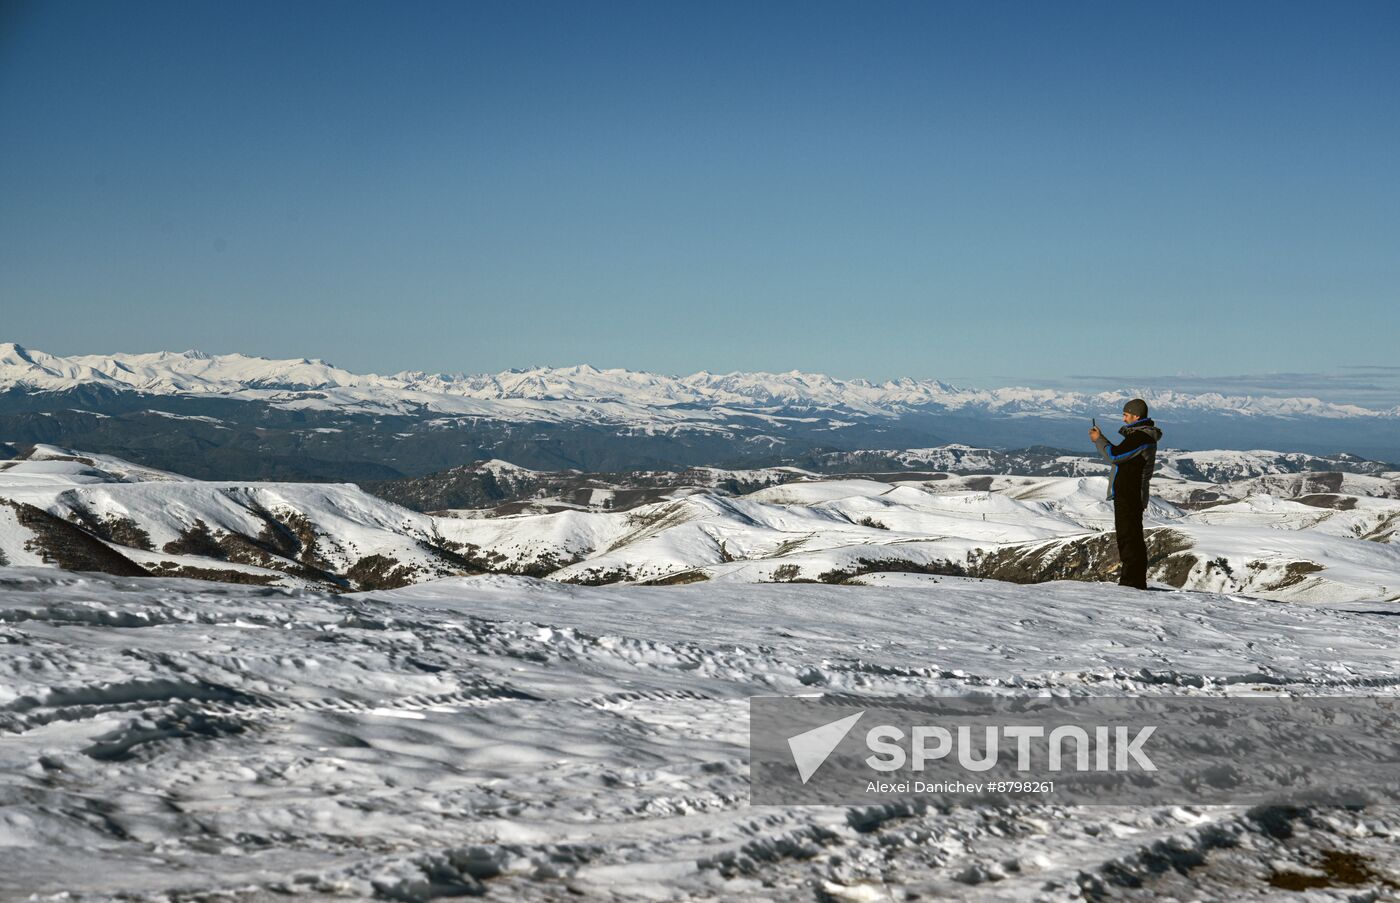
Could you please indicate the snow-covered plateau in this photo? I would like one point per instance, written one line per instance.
(169, 739)
(344, 707)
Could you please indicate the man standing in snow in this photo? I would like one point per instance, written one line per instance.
(1132, 460)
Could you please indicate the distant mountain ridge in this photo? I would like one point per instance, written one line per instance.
(233, 416)
(621, 393)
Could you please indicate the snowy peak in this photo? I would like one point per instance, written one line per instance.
(13, 355)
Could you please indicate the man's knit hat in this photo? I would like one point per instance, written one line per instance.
(1137, 407)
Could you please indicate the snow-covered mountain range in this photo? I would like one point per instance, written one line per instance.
(586, 392)
(238, 417)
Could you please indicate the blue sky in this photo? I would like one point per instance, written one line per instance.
(985, 192)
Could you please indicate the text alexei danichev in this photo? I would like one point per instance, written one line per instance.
(960, 787)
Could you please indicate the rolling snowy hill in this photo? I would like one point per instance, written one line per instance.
(510, 489)
(87, 512)
(1319, 536)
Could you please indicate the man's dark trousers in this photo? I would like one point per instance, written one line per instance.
(1132, 548)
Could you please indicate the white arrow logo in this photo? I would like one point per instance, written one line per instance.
(810, 748)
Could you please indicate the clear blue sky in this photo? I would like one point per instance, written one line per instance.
(988, 192)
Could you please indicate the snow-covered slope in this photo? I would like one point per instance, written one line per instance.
(584, 393)
(51, 465)
(92, 512)
(526, 740)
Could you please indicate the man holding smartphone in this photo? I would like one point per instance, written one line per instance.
(1132, 460)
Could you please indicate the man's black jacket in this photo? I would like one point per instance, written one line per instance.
(1132, 460)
